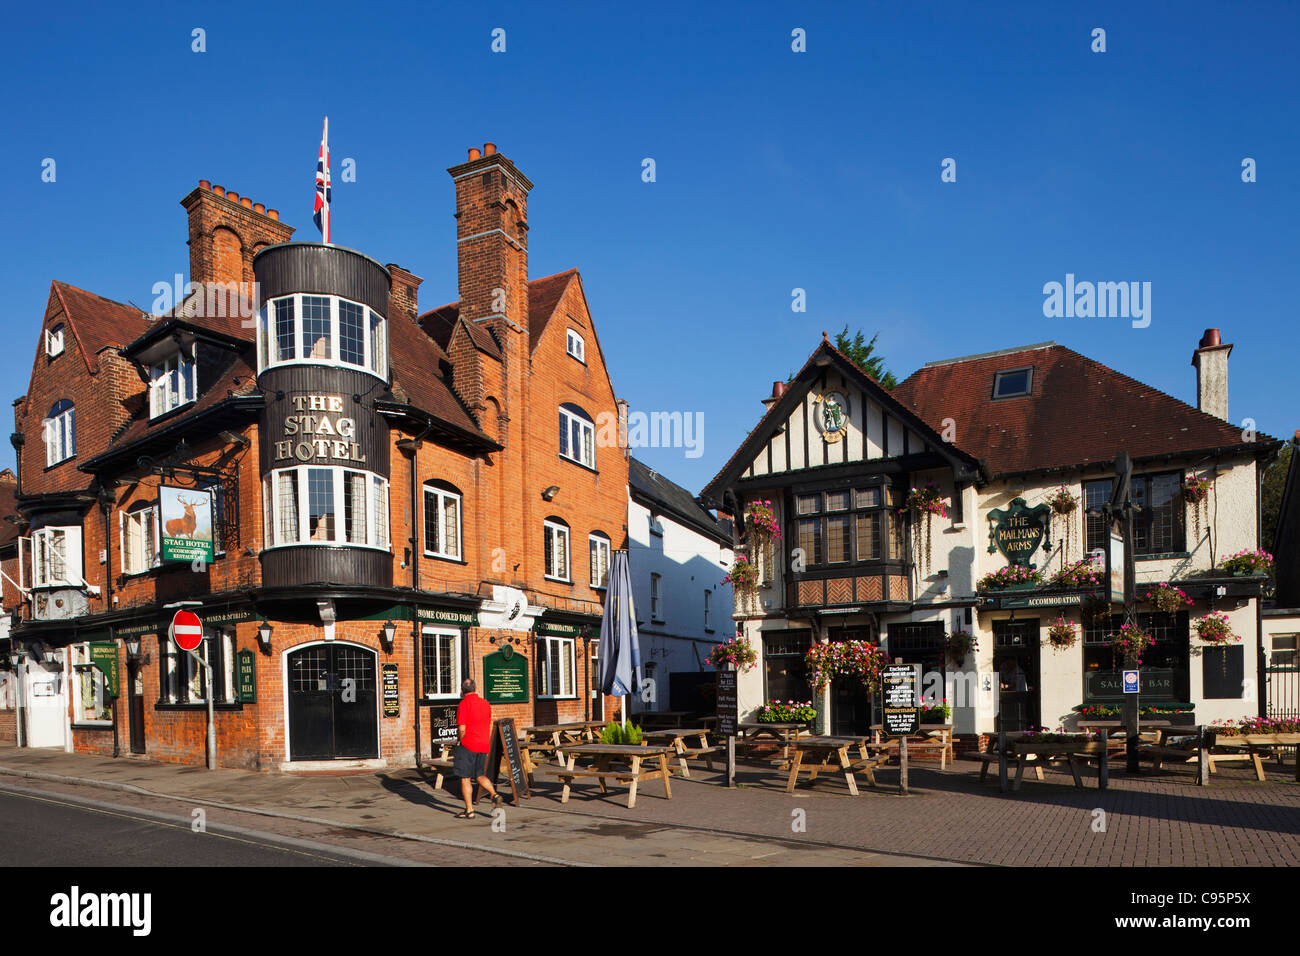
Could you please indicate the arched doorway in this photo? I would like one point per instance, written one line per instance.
(333, 702)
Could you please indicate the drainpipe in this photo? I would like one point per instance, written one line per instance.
(107, 494)
(409, 447)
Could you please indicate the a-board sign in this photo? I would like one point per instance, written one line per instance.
(901, 687)
(392, 702)
(442, 724)
(727, 703)
(246, 677)
(506, 742)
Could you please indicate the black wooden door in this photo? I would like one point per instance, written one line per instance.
(135, 705)
(1015, 662)
(332, 703)
(850, 707)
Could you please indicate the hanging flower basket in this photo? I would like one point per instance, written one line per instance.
(1195, 492)
(760, 519)
(859, 659)
(1249, 562)
(743, 574)
(1062, 634)
(1167, 598)
(737, 652)
(923, 504)
(1079, 575)
(1012, 576)
(1095, 609)
(1130, 642)
(958, 644)
(1214, 628)
(1064, 504)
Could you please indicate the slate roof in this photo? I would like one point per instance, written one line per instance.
(8, 507)
(674, 500)
(1080, 412)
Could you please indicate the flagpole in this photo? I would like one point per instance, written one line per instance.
(326, 149)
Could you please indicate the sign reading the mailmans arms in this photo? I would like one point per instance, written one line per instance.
(186, 516)
(1018, 530)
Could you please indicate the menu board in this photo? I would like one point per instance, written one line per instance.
(505, 742)
(392, 702)
(727, 703)
(442, 724)
(901, 687)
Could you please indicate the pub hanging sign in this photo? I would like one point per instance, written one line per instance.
(1018, 530)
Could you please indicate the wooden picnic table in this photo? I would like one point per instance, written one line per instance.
(661, 718)
(606, 754)
(1047, 751)
(933, 737)
(1259, 745)
(820, 750)
(783, 733)
(678, 738)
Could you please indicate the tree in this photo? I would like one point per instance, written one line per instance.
(862, 354)
(1270, 503)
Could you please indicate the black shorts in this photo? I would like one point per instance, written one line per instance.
(467, 764)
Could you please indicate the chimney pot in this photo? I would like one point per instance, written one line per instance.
(778, 389)
(273, 214)
(204, 184)
(1210, 338)
(474, 154)
(259, 208)
(232, 196)
(489, 149)
(246, 202)
(219, 190)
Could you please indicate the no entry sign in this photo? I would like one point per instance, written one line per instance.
(186, 630)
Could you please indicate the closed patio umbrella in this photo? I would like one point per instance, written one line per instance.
(620, 653)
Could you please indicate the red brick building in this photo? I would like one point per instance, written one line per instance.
(363, 503)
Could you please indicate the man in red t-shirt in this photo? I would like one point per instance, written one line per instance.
(474, 724)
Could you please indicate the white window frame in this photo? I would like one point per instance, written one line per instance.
(586, 438)
(161, 397)
(377, 517)
(708, 609)
(436, 635)
(182, 669)
(593, 682)
(547, 648)
(60, 434)
(374, 336)
(42, 545)
(557, 530)
(576, 345)
(54, 340)
(656, 601)
(81, 664)
(139, 563)
(441, 494)
(596, 543)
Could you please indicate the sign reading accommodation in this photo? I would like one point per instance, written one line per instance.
(727, 703)
(186, 518)
(505, 677)
(901, 687)
(392, 702)
(1018, 530)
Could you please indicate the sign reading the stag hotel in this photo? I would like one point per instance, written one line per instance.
(318, 428)
(1018, 530)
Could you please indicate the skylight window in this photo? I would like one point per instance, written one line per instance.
(1013, 383)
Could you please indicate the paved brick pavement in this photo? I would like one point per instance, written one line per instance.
(1160, 819)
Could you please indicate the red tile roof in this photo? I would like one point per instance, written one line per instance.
(141, 425)
(1080, 412)
(97, 322)
(544, 295)
(417, 379)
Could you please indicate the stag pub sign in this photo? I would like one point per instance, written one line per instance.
(1018, 530)
(186, 524)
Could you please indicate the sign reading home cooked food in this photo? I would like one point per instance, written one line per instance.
(901, 685)
(1018, 530)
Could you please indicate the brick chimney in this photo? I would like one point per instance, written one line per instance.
(226, 232)
(492, 243)
(404, 295)
(1211, 361)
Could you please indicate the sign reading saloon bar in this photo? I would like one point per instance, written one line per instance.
(1018, 530)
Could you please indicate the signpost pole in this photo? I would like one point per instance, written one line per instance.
(212, 723)
(902, 765)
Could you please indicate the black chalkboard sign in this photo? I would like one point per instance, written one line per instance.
(1222, 672)
(442, 724)
(901, 684)
(726, 702)
(506, 742)
(392, 700)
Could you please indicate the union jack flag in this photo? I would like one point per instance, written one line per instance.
(324, 192)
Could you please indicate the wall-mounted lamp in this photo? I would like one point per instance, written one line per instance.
(264, 631)
(133, 650)
(387, 634)
(550, 493)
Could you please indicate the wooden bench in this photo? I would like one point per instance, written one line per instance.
(442, 764)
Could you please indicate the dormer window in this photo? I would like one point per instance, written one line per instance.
(1013, 383)
(54, 340)
(576, 347)
(322, 330)
(173, 382)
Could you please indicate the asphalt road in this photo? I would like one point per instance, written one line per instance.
(80, 832)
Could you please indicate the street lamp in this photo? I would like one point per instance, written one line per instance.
(264, 631)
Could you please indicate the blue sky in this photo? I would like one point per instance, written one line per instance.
(775, 170)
